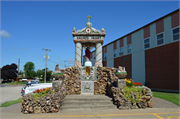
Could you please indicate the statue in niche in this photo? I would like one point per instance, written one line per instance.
(87, 71)
(88, 52)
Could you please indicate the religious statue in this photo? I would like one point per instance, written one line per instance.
(88, 52)
(57, 67)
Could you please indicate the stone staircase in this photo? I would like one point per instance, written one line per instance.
(87, 102)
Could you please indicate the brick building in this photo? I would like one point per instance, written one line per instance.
(149, 54)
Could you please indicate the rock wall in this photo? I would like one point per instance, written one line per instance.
(123, 103)
(106, 78)
(71, 79)
(106, 84)
(46, 104)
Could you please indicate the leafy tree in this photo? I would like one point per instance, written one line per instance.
(39, 73)
(48, 74)
(29, 69)
(21, 73)
(9, 72)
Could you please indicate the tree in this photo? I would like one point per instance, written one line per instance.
(29, 69)
(9, 72)
(48, 74)
(39, 73)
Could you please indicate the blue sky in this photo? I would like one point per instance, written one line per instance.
(29, 26)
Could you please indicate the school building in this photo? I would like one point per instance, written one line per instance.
(149, 54)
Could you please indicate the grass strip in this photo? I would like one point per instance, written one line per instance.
(46, 81)
(6, 104)
(20, 83)
(172, 97)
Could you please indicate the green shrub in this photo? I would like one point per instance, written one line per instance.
(57, 73)
(129, 84)
(137, 91)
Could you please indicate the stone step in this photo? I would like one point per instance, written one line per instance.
(87, 107)
(87, 103)
(87, 98)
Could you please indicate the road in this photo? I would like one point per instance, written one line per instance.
(9, 92)
(162, 110)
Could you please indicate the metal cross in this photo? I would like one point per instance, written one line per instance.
(89, 18)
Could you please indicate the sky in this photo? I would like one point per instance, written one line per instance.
(29, 26)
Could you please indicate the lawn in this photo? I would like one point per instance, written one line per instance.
(46, 81)
(11, 102)
(172, 97)
(20, 83)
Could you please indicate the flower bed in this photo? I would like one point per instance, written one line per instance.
(132, 97)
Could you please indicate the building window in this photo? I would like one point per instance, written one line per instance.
(129, 49)
(105, 57)
(121, 52)
(114, 53)
(160, 39)
(175, 32)
(146, 43)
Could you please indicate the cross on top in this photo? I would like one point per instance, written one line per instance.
(89, 18)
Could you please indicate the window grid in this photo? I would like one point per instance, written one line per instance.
(105, 56)
(121, 52)
(175, 32)
(146, 43)
(129, 49)
(160, 38)
(114, 53)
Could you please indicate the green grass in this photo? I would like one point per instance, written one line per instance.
(11, 102)
(172, 97)
(20, 83)
(46, 81)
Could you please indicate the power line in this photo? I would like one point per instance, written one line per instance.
(34, 55)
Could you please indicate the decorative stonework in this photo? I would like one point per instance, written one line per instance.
(87, 87)
(121, 83)
(88, 36)
(83, 74)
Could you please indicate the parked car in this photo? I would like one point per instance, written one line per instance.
(32, 82)
(24, 79)
(37, 80)
(30, 88)
(5, 81)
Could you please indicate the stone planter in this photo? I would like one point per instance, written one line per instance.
(121, 75)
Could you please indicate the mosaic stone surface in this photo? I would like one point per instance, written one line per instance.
(121, 83)
(84, 77)
(87, 87)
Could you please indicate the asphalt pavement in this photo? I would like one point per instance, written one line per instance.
(162, 109)
(9, 92)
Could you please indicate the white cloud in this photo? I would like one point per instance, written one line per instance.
(5, 34)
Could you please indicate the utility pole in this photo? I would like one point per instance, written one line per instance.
(45, 64)
(18, 69)
(65, 63)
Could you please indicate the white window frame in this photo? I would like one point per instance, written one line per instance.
(121, 52)
(147, 43)
(114, 53)
(173, 34)
(128, 49)
(163, 39)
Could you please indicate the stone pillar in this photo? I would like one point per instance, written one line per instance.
(98, 55)
(78, 52)
(121, 83)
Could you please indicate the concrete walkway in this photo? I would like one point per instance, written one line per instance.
(14, 111)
